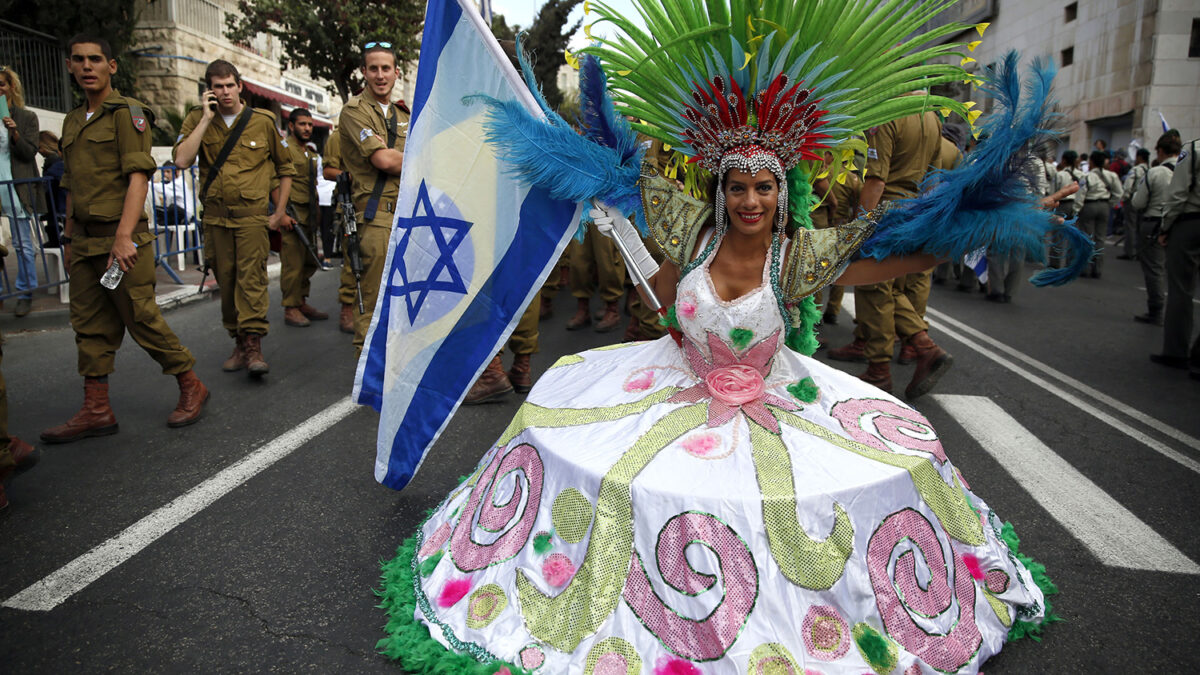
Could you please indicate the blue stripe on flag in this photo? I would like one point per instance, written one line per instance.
(439, 15)
(492, 312)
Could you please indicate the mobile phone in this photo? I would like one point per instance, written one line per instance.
(212, 101)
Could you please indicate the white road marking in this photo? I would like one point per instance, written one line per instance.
(1110, 531)
(73, 577)
(1150, 442)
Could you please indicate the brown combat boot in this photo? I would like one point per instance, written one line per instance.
(192, 397)
(932, 363)
(908, 353)
(346, 320)
(878, 374)
(236, 360)
(95, 418)
(583, 315)
(255, 363)
(610, 320)
(519, 375)
(311, 312)
(292, 316)
(492, 385)
(855, 351)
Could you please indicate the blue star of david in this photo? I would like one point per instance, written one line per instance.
(415, 291)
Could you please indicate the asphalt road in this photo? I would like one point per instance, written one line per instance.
(277, 575)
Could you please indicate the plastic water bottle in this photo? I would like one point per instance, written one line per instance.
(112, 276)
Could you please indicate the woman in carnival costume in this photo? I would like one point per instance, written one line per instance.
(715, 501)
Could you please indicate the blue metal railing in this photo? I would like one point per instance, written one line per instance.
(35, 261)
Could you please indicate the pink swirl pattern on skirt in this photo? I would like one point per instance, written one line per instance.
(470, 556)
(897, 597)
(891, 420)
(709, 638)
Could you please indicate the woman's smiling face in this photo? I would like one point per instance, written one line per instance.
(751, 200)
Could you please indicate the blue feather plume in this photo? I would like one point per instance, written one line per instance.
(598, 116)
(986, 202)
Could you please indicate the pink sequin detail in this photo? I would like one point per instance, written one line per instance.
(914, 669)
(470, 556)
(826, 635)
(997, 581)
(890, 419)
(640, 382)
(453, 591)
(670, 665)
(686, 309)
(557, 570)
(532, 657)
(709, 638)
(436, 541)
(611, 663)
(947, 652)
(702, 444)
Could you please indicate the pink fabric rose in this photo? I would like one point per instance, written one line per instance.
(687, 310)
(735, 384)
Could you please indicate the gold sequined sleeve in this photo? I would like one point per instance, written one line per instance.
(816, 258)
(674, 217)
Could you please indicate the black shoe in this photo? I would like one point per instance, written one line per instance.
(1170, 361)
(829, 319)
(1006, 299)
(994, 297)
(1150, 318)
(24, 305)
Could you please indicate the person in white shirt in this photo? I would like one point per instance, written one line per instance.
(1149, 199)
(1099, 192)
(325, 190)
(172, 196)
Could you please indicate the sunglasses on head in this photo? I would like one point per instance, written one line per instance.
(372, 45)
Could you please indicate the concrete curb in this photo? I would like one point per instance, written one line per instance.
(60, 317)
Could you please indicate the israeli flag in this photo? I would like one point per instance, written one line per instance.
(469, 249)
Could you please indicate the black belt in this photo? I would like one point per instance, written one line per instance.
(1089, 201)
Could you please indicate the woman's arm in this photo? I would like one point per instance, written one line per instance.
(871, 271)
(24, 145)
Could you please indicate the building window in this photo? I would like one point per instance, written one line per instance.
(1194, 42)
(1067, 56)
(1071, 12)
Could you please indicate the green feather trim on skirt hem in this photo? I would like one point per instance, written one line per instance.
(1037, 570)
(408, 640)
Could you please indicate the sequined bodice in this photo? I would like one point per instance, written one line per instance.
(700, 310)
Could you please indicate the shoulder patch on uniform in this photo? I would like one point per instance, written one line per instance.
(138, 116)
(364, 135)
(872, 153)
(283, 141)
(179, 138)
(1183, 154)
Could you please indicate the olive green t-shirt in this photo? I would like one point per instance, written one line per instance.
(900, 152)
(239, 195)
(363, 130)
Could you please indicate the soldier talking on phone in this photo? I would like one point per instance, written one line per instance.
(240, 151)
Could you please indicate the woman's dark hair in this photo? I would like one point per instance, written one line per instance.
(1098, 158)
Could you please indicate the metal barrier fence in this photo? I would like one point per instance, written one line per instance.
(36, 261)
(34, 237)
(175, 218)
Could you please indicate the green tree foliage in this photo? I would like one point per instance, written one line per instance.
(112, 20)
(545, 43)
(326, 36)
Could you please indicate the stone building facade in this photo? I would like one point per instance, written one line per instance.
(1121, 63)
(176, 39)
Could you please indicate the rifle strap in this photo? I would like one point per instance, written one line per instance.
(227, 148)
(380, 176)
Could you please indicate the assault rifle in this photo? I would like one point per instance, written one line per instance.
(298, 229)
(351, 246)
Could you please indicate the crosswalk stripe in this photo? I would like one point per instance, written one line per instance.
(1110, 531)
(73, 577)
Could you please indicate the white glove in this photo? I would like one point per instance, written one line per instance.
(612, 223)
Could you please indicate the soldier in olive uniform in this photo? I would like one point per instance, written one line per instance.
(898, 155)
(373, 131)
(331, 168)
(236, 204)
(106, 151)
(297, 264)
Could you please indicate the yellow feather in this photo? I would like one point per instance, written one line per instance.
(981, 27)
(970, 45)
(966, 60)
